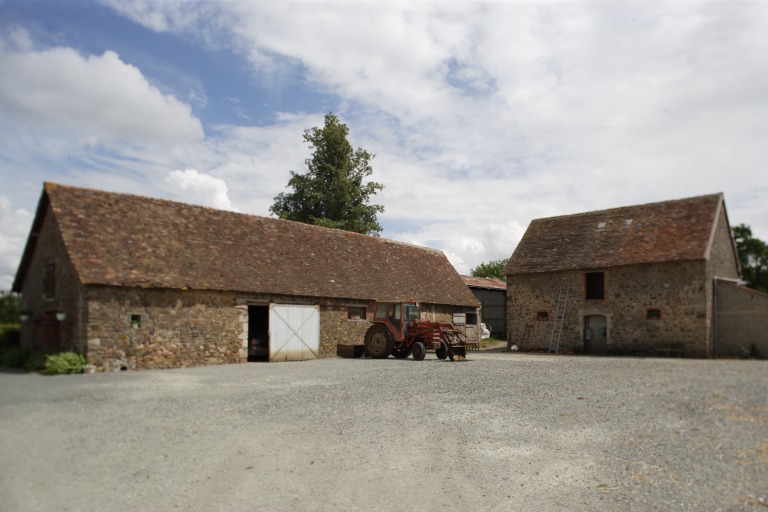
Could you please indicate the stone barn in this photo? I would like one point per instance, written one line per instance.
(632, 280)
(135, 282)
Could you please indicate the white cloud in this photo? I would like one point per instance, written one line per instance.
(467, 242)
(508, 111)
(13, 236)
(201, 188)
(482, 115)
(19, 39)
(98, 98)
(158, 15)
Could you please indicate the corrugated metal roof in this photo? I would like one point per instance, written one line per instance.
(677, 230)
(127, 240)
(484, 282)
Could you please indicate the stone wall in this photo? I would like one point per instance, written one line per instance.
(741, 322)
(43, 331)
(722, 262)
(722, 259)
(336, 328)
(677, 290)
(132, 328)
(153, 328)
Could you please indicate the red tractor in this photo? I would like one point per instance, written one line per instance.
(398, 330)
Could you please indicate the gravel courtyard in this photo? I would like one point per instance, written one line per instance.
(499, 432)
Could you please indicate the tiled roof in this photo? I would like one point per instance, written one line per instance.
(484, 282)
(651, 233)
(128, 240)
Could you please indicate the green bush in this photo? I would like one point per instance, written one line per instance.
(64, 363)
(9, 335)
(35, 362)
(13, 357)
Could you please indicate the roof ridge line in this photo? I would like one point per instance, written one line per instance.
(629, 207)
(51, 186)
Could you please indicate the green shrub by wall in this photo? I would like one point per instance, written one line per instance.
(35, 362)
(9, 335)
(64, 363)
(13, 357)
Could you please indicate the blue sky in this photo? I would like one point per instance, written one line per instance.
(482, 116)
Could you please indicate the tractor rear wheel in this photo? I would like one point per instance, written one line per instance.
(441, 352)
(419, 351)
(378, 342)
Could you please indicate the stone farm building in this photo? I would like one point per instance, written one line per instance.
(632, 280)
(134, 282)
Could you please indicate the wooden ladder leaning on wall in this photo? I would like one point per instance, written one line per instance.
(557, 325)
(527, 333)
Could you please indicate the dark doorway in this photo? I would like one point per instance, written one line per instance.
(594, 284)
(595, 334)
(258, 333)
(46, 334)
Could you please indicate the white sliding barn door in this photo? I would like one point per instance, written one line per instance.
(294, 332)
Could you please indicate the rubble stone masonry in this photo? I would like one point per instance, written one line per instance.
(136, 328)
(677, 290)
(130, 328)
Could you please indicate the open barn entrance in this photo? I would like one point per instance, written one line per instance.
(258, 333)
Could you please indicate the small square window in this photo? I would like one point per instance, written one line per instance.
(653, 314)
(471, 318)
(135, 321)
(356, 313)
(542, 316)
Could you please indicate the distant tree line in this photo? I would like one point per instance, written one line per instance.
(491, 269)
(9, 308)
(753, 256)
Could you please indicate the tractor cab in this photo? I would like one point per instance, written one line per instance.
(396, 315)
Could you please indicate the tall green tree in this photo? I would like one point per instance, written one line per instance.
(492, 269)
(753, 256)
(333, 192)
(9, 308)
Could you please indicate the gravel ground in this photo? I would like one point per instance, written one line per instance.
(498, 432)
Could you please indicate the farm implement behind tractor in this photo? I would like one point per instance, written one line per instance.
(398, 330)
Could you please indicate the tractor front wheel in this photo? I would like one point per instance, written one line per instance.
(419, 351)
(441, 352)
(378, 342)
